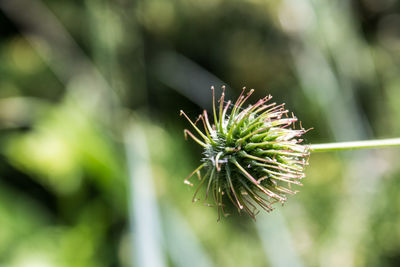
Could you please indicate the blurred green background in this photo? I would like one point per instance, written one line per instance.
(92, 155)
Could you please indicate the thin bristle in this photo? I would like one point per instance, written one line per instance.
(221, 104)
(214, 111)
(194, 126)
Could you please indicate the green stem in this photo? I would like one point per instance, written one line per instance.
(355, 145)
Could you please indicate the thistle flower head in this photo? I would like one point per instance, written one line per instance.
(252, 155)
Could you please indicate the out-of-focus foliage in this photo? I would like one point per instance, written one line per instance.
(66, 196)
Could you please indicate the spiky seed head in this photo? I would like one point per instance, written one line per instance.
(252, 155)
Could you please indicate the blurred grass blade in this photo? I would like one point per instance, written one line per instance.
(186, 77)
(144, 214)
(276, 240)
(183, 246)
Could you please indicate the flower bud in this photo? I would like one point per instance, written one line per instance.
(252, 155)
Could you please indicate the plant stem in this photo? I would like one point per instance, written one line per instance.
(355, 145)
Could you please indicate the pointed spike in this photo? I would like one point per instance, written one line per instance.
(209, 184)
(228, 177)
(216, 161)
(207, 121)
(187, 132)
(199, 186)
(214, 111)
(221, 105)
(247, 97)
(194, 126)
(251, 178)
(240, 96)
(187, 182)
(195, 171)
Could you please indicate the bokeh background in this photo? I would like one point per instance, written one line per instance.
(92, 154)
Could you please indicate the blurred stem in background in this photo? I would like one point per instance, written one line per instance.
(145, 220)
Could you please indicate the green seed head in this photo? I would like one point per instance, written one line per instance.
(252, 155)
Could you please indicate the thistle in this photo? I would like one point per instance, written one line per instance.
(252, 155)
